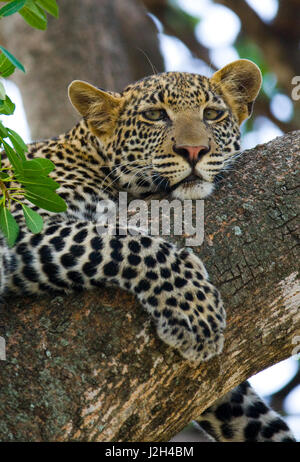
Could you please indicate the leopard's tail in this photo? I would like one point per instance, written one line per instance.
(241, 415)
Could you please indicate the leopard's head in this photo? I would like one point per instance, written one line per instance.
(173, 132)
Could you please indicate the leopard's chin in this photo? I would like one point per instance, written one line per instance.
(197, 189)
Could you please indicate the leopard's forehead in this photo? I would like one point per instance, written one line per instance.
(174, 88)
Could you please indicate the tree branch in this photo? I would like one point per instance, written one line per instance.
(278, 51)
(90, 366)
(175, 23)
(262, 108)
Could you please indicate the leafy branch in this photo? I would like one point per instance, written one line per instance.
(23, 179)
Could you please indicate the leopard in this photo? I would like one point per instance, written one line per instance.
(171, 135)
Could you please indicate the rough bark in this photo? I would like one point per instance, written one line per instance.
(90, 367)
(110, 43)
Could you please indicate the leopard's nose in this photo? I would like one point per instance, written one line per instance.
(191, 153)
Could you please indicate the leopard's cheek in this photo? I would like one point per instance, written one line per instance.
(227, 138)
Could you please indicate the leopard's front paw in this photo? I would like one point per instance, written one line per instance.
(194, 332)
(188, 310)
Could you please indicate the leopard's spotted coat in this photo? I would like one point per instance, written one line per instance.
(168, 134)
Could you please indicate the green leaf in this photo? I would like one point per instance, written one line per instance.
(46, 164)
(34, 15)
(2, 91)
(31, 167)
(50, 6)
(33, 220)
(3, 131)
(12, 7)
(37, 180)
(6, 67)
(46, 199)
(12, 59)
(12, 157)
(36, 168)
(18, 143)
(3, 175)
(7, 107)
(39, 165)
(9, 226)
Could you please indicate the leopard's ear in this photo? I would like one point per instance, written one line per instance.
(239, 83)
(100, 108)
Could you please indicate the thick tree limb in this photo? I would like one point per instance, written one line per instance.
(90, 366)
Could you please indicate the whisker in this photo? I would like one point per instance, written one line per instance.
(138, 169)
(123, 165)
(154, 70)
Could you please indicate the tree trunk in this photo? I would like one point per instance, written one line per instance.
(109, 43)
(90, 367)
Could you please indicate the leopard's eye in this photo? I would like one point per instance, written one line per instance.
(155, 114)
(212, 114)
